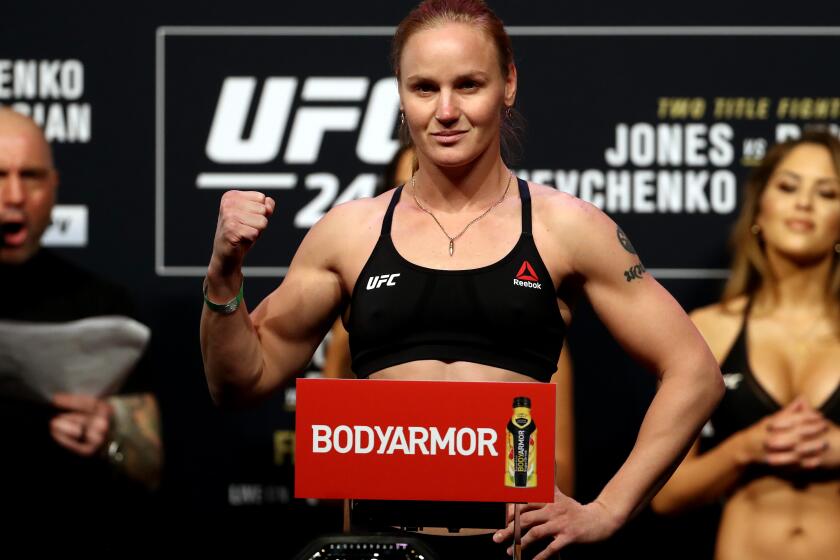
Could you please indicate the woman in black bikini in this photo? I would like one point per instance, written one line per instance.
(775, 438)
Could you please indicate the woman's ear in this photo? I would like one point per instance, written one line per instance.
(510, 85)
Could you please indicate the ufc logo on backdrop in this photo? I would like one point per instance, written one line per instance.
(313, 130)
(309, 123)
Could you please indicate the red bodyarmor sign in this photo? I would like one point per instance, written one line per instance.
(425, 440)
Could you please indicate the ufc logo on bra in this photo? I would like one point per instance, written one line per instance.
(377, 281)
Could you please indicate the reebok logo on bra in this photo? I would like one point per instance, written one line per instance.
(377, 281)
(526, 277)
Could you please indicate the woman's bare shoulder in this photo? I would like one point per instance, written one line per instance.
(722, 311)
(553, 199)
(577, 239)
(720, 322)
(347, 229)
(564, 214)
(358, 214)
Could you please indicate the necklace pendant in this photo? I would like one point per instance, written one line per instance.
(451, 247)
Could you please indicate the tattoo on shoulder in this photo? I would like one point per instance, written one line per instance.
(625, 242)
(635, 272)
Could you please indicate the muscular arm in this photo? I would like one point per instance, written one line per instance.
(704, 478)
(246, 357)
(653, 328)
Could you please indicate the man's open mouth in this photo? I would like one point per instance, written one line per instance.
(13, 233)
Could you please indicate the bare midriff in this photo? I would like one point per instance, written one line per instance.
(769, 519)
(434, 370)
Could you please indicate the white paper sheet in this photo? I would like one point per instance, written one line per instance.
(91, 356)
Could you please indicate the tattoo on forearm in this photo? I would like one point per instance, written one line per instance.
(625, 242)
(135, 431)
(635, 272)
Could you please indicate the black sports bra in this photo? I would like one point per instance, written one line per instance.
(503, 315)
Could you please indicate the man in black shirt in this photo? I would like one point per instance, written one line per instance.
(85, 450)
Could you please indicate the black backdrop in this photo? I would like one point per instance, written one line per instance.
(129, 100)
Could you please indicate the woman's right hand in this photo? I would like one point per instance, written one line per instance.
(243, 216)
(792, 437)
(562, 522)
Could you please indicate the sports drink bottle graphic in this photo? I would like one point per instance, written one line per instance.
(521, 449)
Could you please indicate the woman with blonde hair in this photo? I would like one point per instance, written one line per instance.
(774, 441)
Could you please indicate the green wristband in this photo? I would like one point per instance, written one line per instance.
(224, 308)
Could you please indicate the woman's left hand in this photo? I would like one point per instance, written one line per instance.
(564, 521)
(824, 451)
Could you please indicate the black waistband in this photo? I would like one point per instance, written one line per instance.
(381, 514)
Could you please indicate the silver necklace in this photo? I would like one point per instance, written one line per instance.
(466, 227)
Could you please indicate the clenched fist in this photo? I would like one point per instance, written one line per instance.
(243, 216)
